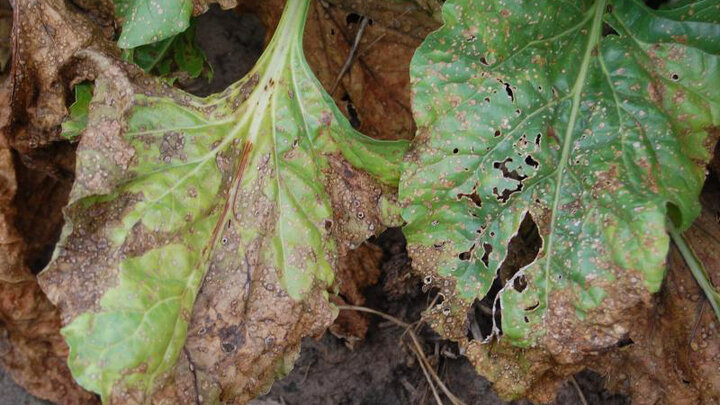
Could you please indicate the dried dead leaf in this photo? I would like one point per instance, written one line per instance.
(46, 34)
(31, 348)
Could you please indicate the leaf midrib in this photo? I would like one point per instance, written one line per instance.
(593, 40)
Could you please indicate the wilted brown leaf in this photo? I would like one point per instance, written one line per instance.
(46, 34)
(31, 348)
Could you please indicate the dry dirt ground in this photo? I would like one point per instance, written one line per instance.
(380, 370)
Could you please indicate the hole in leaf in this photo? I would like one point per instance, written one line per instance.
(519, 283)
(510, 92)
(625, 341)
(532, 307)
(473, 197)
(486, 256)
(508, 174)
(675, 77)
(352, 18)
(497, 133)
(608, 30)
(531, 162)
(456, 150)
(480, 316)
(465, 256)
(351, 112)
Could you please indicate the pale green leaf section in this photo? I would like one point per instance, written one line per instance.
(265, 181)
(590, 117)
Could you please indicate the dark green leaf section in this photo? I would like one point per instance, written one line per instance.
(174, 57)
(76, 122)
(252, 193)
(148, 21)
(590, 117)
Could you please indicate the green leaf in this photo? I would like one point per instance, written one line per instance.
(148, 21)
(77, 120)
(252, 194)
(173, 57)
(590, 117)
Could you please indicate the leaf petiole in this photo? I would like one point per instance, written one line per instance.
(696, 268)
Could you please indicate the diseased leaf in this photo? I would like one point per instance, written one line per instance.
(174, 57)
(244, 199)
(591, 118)
(148, 21)
(675, 347)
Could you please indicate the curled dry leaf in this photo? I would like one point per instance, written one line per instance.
(32, 191)
(46, 34)
(374, 93)
(31, 348)
(590, 122)
(202, 234)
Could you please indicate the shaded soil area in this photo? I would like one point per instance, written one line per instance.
(383, 370)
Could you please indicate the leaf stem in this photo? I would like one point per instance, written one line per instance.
(696, 268)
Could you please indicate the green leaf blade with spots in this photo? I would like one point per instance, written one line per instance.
(148, 21)
(202, 234)
(593, 119)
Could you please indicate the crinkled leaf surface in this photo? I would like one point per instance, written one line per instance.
(252, 194)
(592, 118)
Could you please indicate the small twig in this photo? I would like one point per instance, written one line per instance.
(427, 369)
(351, 55)
(697, 322)
(580, 394)
(427, 376)
(372, 311)
(381, 36)
(455, 400)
